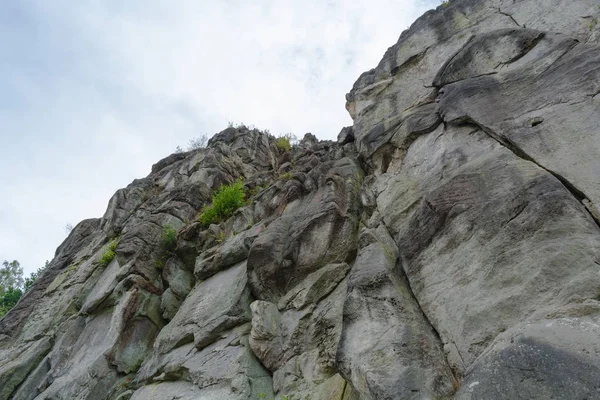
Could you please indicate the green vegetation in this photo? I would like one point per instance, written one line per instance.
(11, 276)
(11, 281)
(109, 253)
(34, 275)
(285, 177)
(445, 3)
(166, 246)
(9, 299)
(225, 201)
(168, 239)
(283, 143)
(593, 22)
(257, 189)
(12, 285)
(220, 237)
(286, 141)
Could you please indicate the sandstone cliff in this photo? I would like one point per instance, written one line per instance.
(446, 247)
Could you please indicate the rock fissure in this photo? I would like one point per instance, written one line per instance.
(519, 152)
(509, 16)
(440, 342)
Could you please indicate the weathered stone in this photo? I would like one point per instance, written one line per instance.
(314, 287)
(227, 365)
(549, 359)
(180, 280)
(179, 390)
(13, 372)
(346, 135)
(471, 171)
(299, 346)
(231, 250)
(84, 372)
(169, 304)
(550, 119)
(385, 330)
(214, 305)
(266, 338)
(468, 195)
(312, 232)
(102, 289)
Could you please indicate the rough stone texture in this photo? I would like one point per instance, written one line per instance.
(314, 230)
(388, 349)
(215, 305)
(548, 359)
(446, 246)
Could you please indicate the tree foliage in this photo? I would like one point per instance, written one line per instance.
(12, 284)
(11, 276)
(33, 276)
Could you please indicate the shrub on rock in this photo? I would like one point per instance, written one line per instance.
(225, 201)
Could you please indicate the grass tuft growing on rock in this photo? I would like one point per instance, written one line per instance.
(109, 253)
(168, 239)
(225, 201)
(166, 246)
(285, 177)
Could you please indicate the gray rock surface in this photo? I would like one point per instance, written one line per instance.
(388, 349)
(446, 246)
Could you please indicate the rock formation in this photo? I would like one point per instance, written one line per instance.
(446, 247)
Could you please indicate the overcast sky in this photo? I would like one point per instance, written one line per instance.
(92, 93)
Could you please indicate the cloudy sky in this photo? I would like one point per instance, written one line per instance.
(92, 93)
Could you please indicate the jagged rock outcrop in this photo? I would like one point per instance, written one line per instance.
(446, 247)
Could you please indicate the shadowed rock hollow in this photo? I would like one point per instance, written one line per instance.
(446, 247)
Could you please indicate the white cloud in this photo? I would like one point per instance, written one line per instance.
(98, 91)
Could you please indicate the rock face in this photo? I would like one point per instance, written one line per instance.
(446, 247)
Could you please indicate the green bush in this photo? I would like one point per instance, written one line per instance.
(208, 216)
(225, 201)
(109, 253)
(283, 143)
(168, 239)
(286, 141)
(8, 300)
(166, 246)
